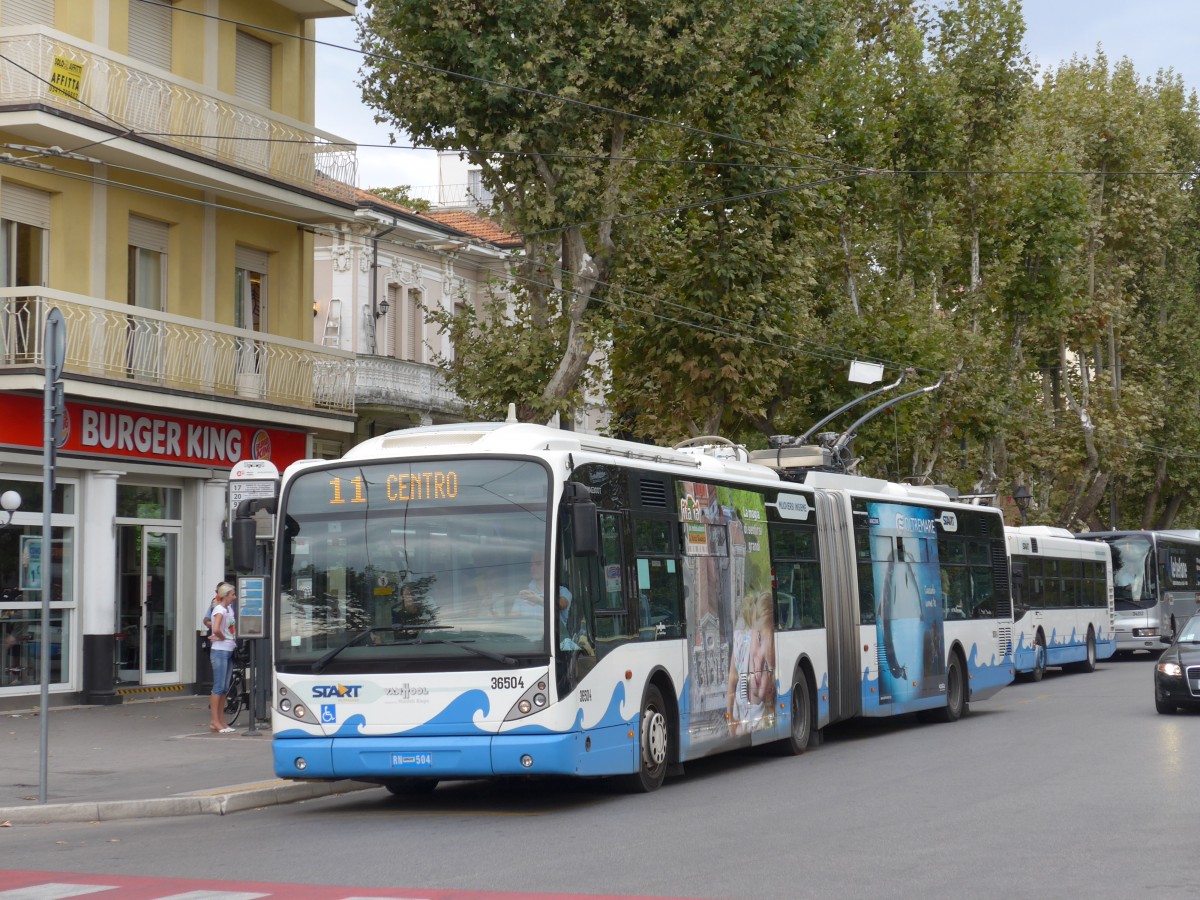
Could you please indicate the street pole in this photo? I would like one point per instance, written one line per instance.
(54, 343)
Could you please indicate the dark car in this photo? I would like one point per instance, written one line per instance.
(1177, 674)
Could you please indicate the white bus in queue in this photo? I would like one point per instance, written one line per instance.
(1062, 590)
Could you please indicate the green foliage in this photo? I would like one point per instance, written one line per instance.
(399, 195)
(871, 179)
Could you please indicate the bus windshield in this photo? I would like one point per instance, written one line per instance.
(410, 566)
(1131, 582)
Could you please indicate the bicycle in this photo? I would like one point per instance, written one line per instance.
(237, 697)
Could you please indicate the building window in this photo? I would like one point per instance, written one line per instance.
(147, 264)
(393, 319)
(253, 73)
(416, 326)
(250, 313)
(150, 33)
(135, 501)
(26, 12)
(24, 243)
(26, 573)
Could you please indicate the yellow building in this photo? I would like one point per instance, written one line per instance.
(160, 178)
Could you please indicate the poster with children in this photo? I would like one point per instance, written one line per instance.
(727, 583)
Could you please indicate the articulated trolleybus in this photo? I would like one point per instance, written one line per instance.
(1062, 591)
(469, 601)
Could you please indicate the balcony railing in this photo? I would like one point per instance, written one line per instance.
(399, 383)
(171, 113)
(136, 346)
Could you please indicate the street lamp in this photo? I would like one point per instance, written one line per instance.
(383, 308)
(10, 502)
(1021, 496)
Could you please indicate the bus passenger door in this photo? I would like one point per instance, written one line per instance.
(840, 590)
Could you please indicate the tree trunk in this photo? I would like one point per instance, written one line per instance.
(851, 282)
(1174, 502)
(1093, 498)
(1154, 495)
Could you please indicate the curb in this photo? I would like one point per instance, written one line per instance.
(218, 801)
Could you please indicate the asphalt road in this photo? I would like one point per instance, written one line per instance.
(1071, 787)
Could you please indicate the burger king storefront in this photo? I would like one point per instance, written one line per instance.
(138, 524)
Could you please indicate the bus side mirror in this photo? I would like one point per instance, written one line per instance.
(244, 535)
(585, 530)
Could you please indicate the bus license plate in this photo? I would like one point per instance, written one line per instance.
(412, 760)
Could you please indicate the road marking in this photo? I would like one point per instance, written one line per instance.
(54, 891)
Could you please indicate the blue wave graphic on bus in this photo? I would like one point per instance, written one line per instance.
(612, 717)
(981, 677)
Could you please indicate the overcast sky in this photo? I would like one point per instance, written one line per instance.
(1153, 33)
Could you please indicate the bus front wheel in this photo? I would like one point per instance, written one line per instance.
(410, 787)
(654, 740)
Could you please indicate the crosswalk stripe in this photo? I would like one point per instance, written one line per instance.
(54, 891)
(214, 895)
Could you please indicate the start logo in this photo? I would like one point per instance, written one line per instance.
(949, 521)
(337, 691)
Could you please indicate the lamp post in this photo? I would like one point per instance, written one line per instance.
(1021, 496)
(10, 502)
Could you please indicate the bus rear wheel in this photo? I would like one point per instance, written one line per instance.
(956, 693)
(800, 734)
(654, 740)
(1039, 658)
(1088, 664)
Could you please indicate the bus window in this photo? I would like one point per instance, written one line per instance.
(658, 576)
(798, 600)
(612, 620)
(866, 576)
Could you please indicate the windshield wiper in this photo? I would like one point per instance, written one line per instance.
(320, 664)
(463, 642)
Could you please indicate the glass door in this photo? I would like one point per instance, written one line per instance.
(148, 604)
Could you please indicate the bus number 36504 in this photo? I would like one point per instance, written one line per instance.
(506, 682)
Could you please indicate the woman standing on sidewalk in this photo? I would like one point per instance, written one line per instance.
(223, 641)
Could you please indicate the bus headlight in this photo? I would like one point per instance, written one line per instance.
(299, 711)
(524, 707)
(1145, 632)
(285, 705)
(1170, 669)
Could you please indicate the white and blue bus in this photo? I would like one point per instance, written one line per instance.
(1156, 578)
(699, 602)
(1062, 591)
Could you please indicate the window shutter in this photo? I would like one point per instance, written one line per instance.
(150, 34)
(250, 259)
(148, 234)
(394, 317)
(253, 75)
(416, 323)
(26, 12)
(21, 204)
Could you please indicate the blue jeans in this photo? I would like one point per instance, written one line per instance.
(222, 667)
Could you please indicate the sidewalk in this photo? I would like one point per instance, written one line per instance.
(145, 758)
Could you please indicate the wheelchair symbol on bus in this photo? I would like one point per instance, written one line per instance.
(328, 713)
